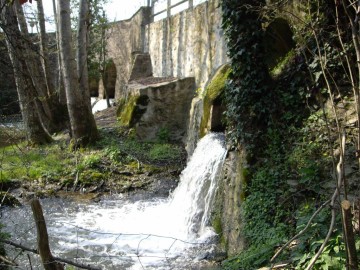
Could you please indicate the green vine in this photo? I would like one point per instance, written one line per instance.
(278, 119)
(248, 96)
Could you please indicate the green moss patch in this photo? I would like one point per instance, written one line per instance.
(115, 162)
(130, 110)
(213, 90)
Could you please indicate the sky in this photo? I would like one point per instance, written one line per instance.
(115, 9)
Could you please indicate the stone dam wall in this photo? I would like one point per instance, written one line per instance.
(188, 44)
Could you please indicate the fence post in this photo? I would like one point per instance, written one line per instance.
(168, 8)
(42, 238)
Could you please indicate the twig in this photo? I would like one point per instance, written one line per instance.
(4, 197)
(7, 261)
(339, 170)
(8, 242)
(29, 261)
(301, 232)
(24, 248)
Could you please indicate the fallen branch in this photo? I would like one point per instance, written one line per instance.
(4, 197)
(7, 261)
(23, 248)
(61, 260)
(42, 238)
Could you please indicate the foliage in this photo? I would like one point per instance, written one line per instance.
(153, 152)
(57, 163)
(98, 23)
(23, 162)
(333, 256)
(248, 96)
(252, 258)
(164, 152)
(281, 123)
(163, 135)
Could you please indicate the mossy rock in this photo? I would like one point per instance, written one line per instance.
(125, 110)
(213, 90)
(130, 110)
(90, 177)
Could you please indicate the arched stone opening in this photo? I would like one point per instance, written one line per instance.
(278, 41)
(110, 79)
(213, 109)
(217, 116)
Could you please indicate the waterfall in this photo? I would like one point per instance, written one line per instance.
(193, 198)
(151, 234)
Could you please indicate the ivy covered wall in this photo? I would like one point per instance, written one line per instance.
(287, 99)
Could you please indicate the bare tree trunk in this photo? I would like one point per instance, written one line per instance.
(103, 63)
(60, 83)
(48, 108)
(82, 121)
(35, 132)
(47, 258)
(44, 50)
(349, 235)
(82, 48)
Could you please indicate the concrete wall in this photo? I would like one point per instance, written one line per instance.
(124, 38)
(188, 44)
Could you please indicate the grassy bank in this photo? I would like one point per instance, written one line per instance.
(116, 161)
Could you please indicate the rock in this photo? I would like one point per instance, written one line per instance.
(158, 109)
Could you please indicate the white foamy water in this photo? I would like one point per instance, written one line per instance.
(99, 104)
(119, 233)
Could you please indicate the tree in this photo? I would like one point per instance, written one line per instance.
(35, 132)
(97, 55)
(48, 106)
(83, 126)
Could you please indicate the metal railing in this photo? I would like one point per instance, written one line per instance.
(169, 7)
(167, 10)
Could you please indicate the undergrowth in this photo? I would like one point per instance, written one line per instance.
(279, 120)
(56, 162)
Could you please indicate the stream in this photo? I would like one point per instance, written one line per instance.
(120, 232)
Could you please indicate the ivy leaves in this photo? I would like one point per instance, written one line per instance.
(248, 94)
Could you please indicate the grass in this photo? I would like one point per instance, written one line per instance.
(10, 135)
(55, 162)
(23, 162)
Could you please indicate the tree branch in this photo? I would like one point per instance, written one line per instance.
(339, 170)
(35, 251)
(301, 232)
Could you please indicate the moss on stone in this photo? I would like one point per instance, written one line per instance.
(126, 110)
(131, 109)
(245, 175)
(212, 91)
(216, 223)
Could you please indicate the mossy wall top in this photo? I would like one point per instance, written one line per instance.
(212, 91)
